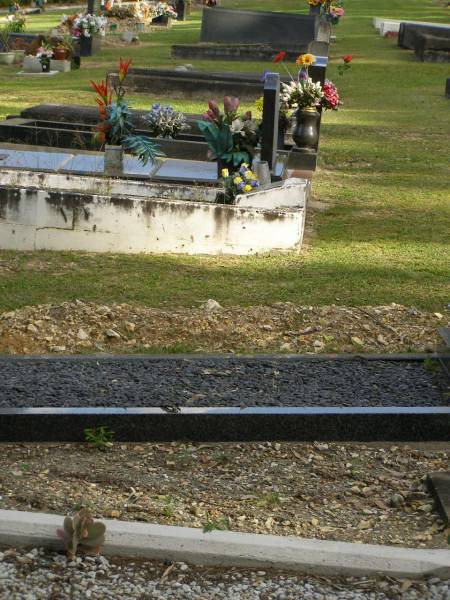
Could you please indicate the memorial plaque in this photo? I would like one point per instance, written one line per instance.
(270, 119)
(257, 27)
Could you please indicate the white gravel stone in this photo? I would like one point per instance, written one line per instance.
(47, 576)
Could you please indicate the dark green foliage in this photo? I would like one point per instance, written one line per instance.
(120, 120)
(143, 147)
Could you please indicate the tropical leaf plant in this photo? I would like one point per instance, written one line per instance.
(119, 119)
(142, 147)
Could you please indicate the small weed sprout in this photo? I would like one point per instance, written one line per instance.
(99, 437)
(220, 456)
(269, 499)
(221, 524)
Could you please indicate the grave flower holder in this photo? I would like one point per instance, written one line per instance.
(306, 130)
(113, 161)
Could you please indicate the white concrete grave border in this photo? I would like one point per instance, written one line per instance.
(55, 211)
(226, 548)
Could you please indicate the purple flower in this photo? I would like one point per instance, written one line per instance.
(264, 75)
(303, 74)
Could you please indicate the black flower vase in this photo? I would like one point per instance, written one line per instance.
(45, 66)
(306, 131)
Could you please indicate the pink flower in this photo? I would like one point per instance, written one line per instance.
(331, 98)
(213, 108)
(230, 104)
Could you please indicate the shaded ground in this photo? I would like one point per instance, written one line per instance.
(348, 492)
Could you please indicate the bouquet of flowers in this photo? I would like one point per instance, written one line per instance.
(165, 121)
(335, 12)
(165, 10)
(44, 54)
(303, 93)
(85, 25)
(115, 127)
(239, 182)
(232, 137)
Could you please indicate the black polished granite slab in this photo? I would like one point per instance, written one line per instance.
(257, 27)
(225, 423)
(399, 424)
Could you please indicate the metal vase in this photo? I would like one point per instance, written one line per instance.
(113, 161)
(306, 131)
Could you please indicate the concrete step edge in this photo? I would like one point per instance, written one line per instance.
(227, 548)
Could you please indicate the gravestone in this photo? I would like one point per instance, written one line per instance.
(408, 32)
(221, 25)
(270, 119)
(246, 86)
(447, 88)
(431, 48)
(181, 8)
(93, 7)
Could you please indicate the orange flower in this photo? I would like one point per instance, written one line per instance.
(124, 65)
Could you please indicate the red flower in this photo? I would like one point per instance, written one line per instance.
(279, 57)
(347, 58)
(124, 65)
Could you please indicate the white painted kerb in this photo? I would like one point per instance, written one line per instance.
(45, 211)
(225, 548)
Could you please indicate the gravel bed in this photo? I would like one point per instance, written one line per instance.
(217, 382)
(36, 574)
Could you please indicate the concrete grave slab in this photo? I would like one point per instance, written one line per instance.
(289, 193)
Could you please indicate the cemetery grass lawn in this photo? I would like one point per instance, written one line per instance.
(379, 225)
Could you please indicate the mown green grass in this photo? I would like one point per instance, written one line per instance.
(383, 171)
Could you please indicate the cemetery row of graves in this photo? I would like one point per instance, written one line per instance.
(343, 161)
(265, 183)
(227, 181)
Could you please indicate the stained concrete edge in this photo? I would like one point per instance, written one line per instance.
(226, 548)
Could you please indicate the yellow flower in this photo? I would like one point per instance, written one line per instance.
(225, 173)
(305, 60)
(245, 165)
(238, 180)
(248, 175)
(259, 104)
(248, 188)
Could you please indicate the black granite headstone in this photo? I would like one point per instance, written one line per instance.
(408, 32)
(270, 119)
(223, 25)
(181, 8)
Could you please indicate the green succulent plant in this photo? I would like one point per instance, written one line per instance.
(82, 532)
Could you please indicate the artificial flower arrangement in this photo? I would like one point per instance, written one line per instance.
(242, 181)
(165, 121)
(146, 11)
(303, 93)
(44, 54)
(85, 25)
(333, 10)
(163, 9)
(232, 137)
(115, 127)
